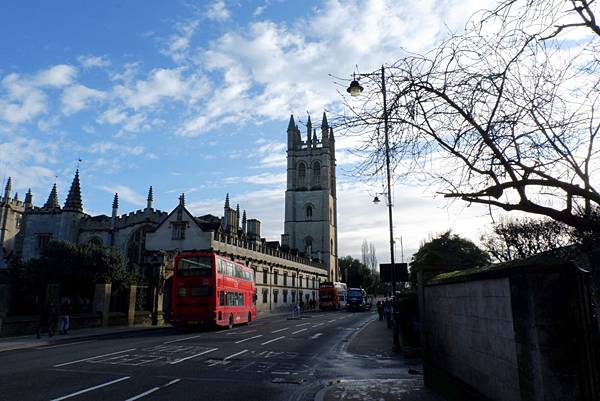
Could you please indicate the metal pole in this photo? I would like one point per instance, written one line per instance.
(396, 328)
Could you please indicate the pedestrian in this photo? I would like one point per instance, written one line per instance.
(46, 320)
(387, 312)
(65, 316)
(380, 309)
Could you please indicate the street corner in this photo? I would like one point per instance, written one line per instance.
(376, 390)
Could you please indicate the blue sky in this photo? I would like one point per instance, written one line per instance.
(194, 97)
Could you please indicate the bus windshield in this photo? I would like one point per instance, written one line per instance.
(194, 266)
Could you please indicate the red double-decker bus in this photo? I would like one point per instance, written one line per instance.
(211, 290)
(332, 295)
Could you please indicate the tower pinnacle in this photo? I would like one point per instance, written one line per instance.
(73, 201)
(52, 202)
(150, 198)
(7, 189)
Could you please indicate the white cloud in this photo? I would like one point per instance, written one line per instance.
(161, 83)
(90, 61)
(77, 97)
(23, 103)
(27, 162)
(179, 43)
(125, 193)
(56, 76)
(218, 11)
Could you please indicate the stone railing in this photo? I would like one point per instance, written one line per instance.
(258, 247)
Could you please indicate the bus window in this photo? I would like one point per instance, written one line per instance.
(195, 266)
(222, 298)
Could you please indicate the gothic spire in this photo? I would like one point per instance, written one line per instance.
(115, 204)
(52, 202)
(292, 124)
(324, 125)
(244, 221)
(237, 214)
(16, 196)
(7, 189)
(73, 201)
(308, 127)
(182, 199)
(227, 201)
(28, 199)
(150, 198)
(315, 136)
(324, 129)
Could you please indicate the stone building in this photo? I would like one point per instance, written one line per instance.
(285, 273)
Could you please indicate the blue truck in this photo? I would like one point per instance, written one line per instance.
(357, 300)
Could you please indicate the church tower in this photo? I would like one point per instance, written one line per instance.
(310, 198)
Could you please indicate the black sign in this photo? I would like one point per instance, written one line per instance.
(400, 272)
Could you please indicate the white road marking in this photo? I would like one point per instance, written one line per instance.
(280, 373)
(193, 356)
(247, 332)
(64, 345)
(302, 324)
(153, 389)
(277, 331)
(299, 331)
(316, 336)
(236, 354)
(332, 320)
(90, 358)
(248, 339)
(273, 340)
(90, 389)
(317, 325)
(182, 339)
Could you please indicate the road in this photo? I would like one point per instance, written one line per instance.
(273, 358)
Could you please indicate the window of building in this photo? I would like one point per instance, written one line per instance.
(264, 277)
(275, 296)
(301, 174)
(43, 240)
(265, 296)
(317, 173)
(285, 292)
(285, 278)
(308, 247)
(300, 281)
(313, 282)
(293, 296)
(18, 222)
(309, 212)
(275, 277)
(178, 232)
(293, 280)
(306, 281)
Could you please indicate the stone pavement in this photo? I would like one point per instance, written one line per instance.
(391, 376)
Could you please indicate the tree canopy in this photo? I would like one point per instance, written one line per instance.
(447, 252)
(357, 274)
(504, 114)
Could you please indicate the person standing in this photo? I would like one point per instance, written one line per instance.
(380, 309)
(65, 316)
(387, 312)
(45, 320)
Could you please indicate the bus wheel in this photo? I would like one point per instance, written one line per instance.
(230, 325)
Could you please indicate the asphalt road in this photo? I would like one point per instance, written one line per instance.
(273, 358)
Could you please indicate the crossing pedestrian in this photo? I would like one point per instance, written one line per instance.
(65, 316)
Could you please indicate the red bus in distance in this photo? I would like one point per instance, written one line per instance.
(211, 290)
(332, 295)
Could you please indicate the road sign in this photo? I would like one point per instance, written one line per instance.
(400, 270)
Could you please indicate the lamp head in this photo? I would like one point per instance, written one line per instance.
(355, 88)
(376, 199)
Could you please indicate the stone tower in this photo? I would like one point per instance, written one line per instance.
(310, 198)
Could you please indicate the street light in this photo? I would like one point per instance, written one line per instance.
(355, 89)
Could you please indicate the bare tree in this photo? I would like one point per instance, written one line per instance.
(368, 255)
(506, 114)
(513, 239)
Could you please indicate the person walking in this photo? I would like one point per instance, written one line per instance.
(380, 309)
(387, 312)
(65, 316)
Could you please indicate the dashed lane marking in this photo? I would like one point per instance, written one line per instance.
(277, 331)
(193, 356)
(248, 339)
(182, 339)
(91, 358)
(316, 336)
(272, 341)
(236, 354)
(317, 325)
(65, 345)
(152, 390)
(86, 390)
(298, 331)
(302, 324)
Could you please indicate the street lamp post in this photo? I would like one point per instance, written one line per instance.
(356, 89)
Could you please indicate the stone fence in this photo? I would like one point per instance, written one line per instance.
(519, 331)
(129, 307)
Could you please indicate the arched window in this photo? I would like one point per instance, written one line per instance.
(317, 173)
(301, 174)
(308, 247)
(137, 244)
(95, 241)
(309, 212)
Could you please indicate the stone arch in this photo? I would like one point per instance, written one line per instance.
(316, 173)
(95, 241)
(301, 174)
(309, 211)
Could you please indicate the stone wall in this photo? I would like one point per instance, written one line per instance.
(520, 331)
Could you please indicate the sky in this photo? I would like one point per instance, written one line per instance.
(194, 97)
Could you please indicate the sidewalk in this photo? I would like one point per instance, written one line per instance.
(30, 341)
(386, 376)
